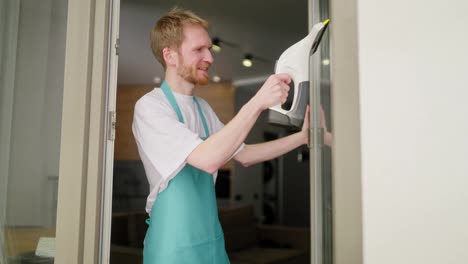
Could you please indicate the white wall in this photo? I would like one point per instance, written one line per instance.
(413, 63)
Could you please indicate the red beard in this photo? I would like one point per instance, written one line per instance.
(191, 73)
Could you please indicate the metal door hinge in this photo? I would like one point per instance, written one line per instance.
(117, 46)
(112, 123)
(320, 133)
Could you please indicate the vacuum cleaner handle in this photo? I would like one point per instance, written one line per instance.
(293, 74)
(295, 62)
(294, 117)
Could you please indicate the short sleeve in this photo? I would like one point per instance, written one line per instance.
(162, 138)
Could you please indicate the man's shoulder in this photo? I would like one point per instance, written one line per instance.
(153, 100)
(151, 97)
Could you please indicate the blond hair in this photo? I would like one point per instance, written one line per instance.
(169, 31)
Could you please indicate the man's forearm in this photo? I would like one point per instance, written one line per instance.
(218, 148)
(253, 154)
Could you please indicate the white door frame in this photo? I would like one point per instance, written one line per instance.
(111, 100)
(82, 141)
(346, 155)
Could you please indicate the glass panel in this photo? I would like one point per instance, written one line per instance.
(326, 162)
(321, 163)
(32, 49)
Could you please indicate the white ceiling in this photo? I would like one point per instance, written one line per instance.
(264, 28)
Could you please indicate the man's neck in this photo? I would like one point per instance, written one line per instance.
(178, 84)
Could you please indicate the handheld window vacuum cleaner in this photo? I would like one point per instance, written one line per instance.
(295, 62)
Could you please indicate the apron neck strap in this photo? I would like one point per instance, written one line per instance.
(170, 97)
(205, 126)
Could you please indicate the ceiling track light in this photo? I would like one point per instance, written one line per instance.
(247, 61)
(216, 79)
(216, 44)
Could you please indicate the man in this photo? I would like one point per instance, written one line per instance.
(182, 144)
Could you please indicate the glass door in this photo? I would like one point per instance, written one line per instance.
(321, 138)
(32, 55)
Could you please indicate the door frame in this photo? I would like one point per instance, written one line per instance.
(346, 155)
(82, 136)
(110, 123)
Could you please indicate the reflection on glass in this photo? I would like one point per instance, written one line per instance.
(327, 135)
(326, 152)
(32, 50)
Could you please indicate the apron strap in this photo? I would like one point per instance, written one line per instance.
(170, 97)
(207, 132)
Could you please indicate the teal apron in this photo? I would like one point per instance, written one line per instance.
(184, 225)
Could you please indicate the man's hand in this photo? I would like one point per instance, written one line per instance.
(327, 136)
(273, 92)
(306, 126)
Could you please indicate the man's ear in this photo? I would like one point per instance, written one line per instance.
(170, 56)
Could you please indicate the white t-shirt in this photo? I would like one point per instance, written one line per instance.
(164, 143)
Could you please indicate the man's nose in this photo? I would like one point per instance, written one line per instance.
(208, 57)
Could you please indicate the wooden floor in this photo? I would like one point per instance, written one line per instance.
(24, 239)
